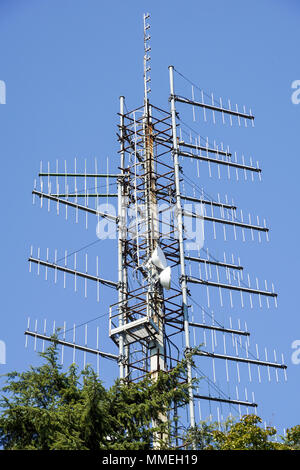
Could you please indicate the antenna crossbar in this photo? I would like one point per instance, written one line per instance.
(219, 162)
(194, 280)
(226, 400)
(219, 328)
(74, 205)
(241, 359)
(71, 345)
(209, 202)
(227, 222)
(182, 143)
(214, 263)
(83, 195)
(181, 99)
(81, 175)
(205, 148)
(73, 271)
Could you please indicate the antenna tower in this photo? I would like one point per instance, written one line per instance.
(165, 295)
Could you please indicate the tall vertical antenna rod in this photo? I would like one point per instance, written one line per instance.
(122, 284)
(147, 58)
(181, 244)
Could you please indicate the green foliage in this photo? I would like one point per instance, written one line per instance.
(292, 438)
(46, 408)
(200, 437)
(138, 410)
(246, 434)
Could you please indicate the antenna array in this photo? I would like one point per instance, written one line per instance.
(155, 319)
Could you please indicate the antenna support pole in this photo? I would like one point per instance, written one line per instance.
(179, 212)
(121, 228)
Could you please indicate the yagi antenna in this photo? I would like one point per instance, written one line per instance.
(59, 337)
(171, 293)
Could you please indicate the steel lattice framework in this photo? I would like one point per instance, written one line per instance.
(151, 322)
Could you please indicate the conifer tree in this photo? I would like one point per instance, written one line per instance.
(45, 408)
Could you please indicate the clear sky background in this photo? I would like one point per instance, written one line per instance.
(65, 64)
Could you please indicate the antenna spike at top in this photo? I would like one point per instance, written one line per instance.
(147, 57)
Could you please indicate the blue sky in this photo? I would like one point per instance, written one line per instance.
(65, 64)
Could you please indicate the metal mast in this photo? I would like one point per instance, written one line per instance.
(156, 319)
(179, 212)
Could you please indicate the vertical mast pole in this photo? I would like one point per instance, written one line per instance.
(121, 228)
(148, 143)
(154, 294)
(181, 244)
(147, 67)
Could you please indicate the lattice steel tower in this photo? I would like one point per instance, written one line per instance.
(153, 318)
